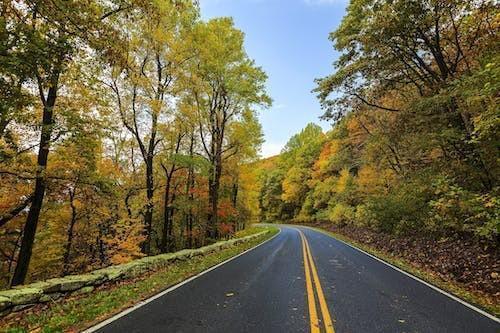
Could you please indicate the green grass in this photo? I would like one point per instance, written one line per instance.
(253, 229)
(482, 301)
(77, 313)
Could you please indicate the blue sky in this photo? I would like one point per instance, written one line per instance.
(289, 39)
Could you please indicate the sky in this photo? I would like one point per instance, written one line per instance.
(289, 40)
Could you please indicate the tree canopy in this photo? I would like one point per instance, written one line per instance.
(123, 127)
(414, 146)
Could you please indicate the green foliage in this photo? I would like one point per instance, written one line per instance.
(403, 210)
(455, 208)
(341, 214)
(138, 92)
(272, 207)
(296, 161)
(414, 148)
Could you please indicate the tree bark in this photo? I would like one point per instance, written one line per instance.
(234, 202)
(40, 185)
(213, 195)
(166, 241)
(190, 195)
(168, 210)
(148, 215)
(69, 235)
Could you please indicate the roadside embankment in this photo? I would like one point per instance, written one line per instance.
(105, 291)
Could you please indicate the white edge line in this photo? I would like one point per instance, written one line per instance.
(455, 298)
(163, 293)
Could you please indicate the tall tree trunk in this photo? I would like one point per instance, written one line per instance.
(234, 193)
(148, 215)
(212, 209)
(213, 195)
(31, 224)
(190, 215)
(149, 157)
(170, 232)
(166, 241)
(234, 202)
(190, 195)
(101, 248)
(70, 232)
(12, 257)
(168, 210)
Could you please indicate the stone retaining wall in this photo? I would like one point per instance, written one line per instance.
(23, 297)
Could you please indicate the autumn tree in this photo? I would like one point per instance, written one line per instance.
(138, 104)
(412, 146)
(48, 36)
(225, 83)
(172, 162)
(404, 57)
(144, 83)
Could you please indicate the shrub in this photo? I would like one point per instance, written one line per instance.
(403, 210)
(362, 216)
(455, 208)
(341, 214)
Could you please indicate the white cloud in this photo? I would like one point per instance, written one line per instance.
(271, 148)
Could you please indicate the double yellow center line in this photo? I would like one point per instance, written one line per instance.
(312, 280)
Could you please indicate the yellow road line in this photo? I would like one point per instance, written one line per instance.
(327, 319)
(313, 314)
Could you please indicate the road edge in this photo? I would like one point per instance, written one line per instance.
(428, 284)
(172, 288)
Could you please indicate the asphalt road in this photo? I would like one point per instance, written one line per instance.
(273, 289)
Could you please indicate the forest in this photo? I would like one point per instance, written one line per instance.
(124, 126)
(414, 149)
(132, 182)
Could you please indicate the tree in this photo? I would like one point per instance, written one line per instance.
(412, 99)
(144, 83)
(225, 83)
(246, 137)
(297, 159)
(171, 164)
(68, 71)
(402, 57)
(51, 33)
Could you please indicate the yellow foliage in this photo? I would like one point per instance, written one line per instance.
(345, 179)
(293, 185)
(321, 165)
(371, 181)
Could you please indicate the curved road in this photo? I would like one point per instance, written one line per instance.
(273, 289)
